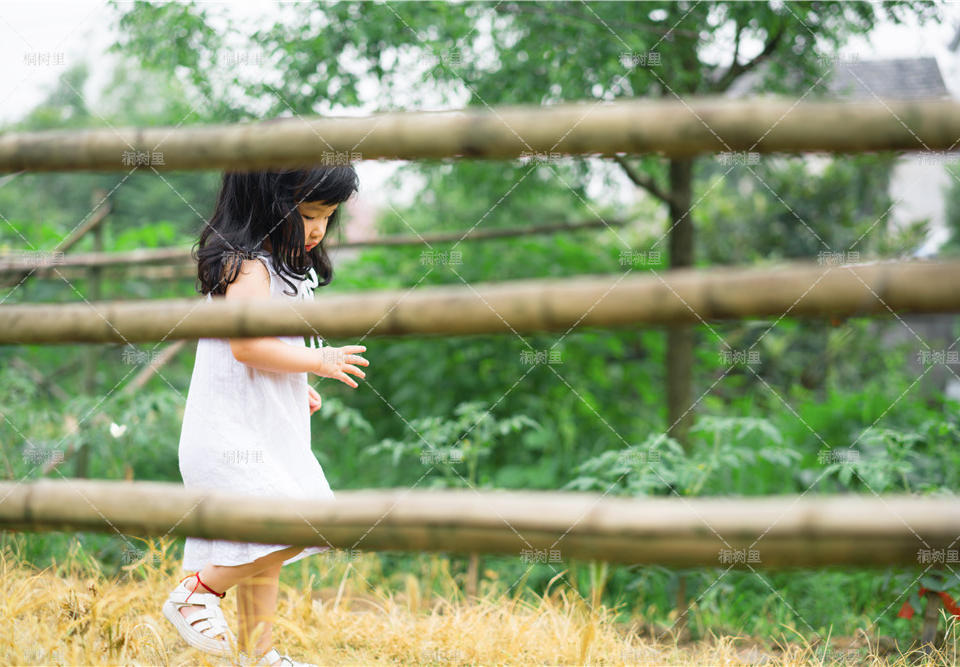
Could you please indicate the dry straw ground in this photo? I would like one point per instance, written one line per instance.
(72, 614)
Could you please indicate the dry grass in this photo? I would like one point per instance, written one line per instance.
(70, 614)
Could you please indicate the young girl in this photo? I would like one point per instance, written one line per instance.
(246, 425)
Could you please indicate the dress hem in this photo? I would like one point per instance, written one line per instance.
(307, 551)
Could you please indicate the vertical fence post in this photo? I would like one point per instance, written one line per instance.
(95, 289)
(931, 616)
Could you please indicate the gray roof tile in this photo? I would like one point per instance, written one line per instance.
(896, 78)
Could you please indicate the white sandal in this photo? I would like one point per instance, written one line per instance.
(272, 656)
(200, 627)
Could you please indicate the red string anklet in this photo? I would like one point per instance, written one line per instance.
(197, 575)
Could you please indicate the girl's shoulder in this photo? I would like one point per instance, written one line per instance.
(265, 256)
(311, 280)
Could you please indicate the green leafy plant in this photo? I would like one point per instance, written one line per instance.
(660, 464)
(468, 438)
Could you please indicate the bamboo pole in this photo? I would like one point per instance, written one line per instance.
(14, 262)
(18, 268)
(20, 261)
(95, 293)
(174, 271)
(118, 272)
(674, 128)
(102, 208)
(780, 531)
(151, 369)
(796, 290)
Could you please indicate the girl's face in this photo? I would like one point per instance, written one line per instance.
(315, 215)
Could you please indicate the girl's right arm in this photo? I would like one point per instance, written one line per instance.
(272, 354)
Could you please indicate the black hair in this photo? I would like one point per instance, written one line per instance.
(254, 206)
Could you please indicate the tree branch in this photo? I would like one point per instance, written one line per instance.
(736, 69)
(516, 8)
(736, 42)
(643, 181)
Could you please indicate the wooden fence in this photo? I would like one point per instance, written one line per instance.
(675, 128)
(783, 531)
(805, 531)
(522, 306)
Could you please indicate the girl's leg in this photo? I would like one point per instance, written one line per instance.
(256, 607)
(222, 577)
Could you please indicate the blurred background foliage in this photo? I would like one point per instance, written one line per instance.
(594, 419)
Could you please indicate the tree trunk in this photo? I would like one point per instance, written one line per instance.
(473, 574)
(81, 462)
(931, 615)
(683, 606)
(680, 338)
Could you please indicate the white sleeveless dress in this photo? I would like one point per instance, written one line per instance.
(247, 430)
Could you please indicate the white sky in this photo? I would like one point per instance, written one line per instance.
(81, 29)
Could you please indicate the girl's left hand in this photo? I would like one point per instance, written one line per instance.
(313, 399)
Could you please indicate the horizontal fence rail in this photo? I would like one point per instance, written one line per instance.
(706, 125)
(44, 262)
(783, 531)
(676, 296)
